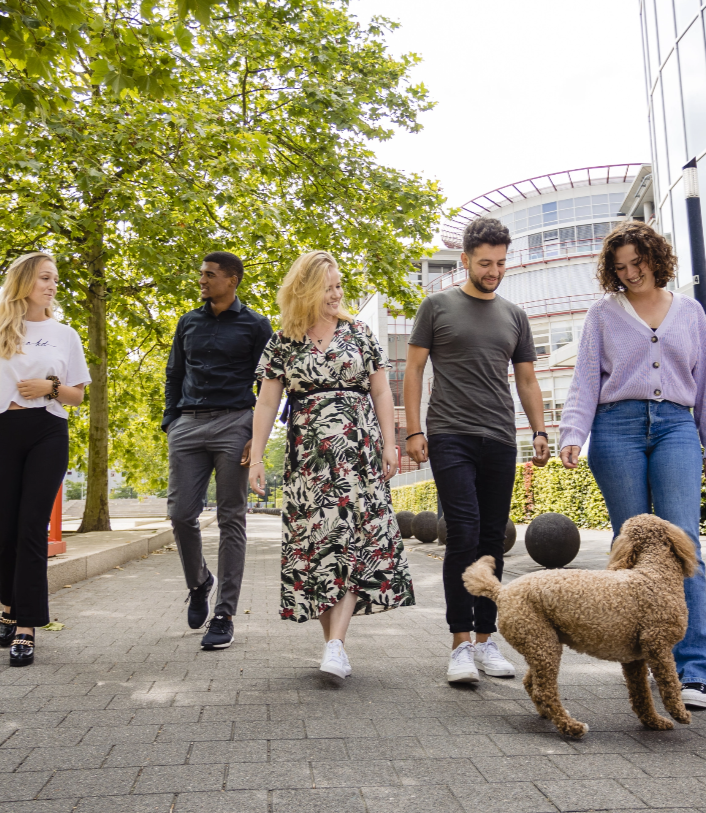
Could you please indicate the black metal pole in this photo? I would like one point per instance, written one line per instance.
(696, 231)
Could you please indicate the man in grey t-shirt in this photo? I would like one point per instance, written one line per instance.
(472, 335)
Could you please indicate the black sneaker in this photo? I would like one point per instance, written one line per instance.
(200, 602)
(8, 628)
(220, 633)
(694, 695)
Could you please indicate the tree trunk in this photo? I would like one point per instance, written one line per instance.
(96, 516)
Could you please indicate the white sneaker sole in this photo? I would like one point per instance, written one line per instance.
(333, 669)
(463, 677)
(502, 672)
(217, 646)
(694, 700)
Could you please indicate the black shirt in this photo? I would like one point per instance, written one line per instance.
(213, 360)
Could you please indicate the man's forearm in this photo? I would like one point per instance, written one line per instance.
(533, 405)
(413, 399)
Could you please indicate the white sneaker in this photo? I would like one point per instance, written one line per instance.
(461, 667)
(490, 661)
(335, 660)
(693, 695)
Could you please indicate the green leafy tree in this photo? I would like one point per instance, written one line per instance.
(264, 151)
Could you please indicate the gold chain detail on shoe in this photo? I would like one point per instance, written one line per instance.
(23, 642)
(7, 621)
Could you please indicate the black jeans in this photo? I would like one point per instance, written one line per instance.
(474, 477)
(35, 455)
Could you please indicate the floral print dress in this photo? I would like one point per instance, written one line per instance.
(339, 530)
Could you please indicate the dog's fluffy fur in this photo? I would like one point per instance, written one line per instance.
(634, 612)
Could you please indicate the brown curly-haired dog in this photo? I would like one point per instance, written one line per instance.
(634, 612)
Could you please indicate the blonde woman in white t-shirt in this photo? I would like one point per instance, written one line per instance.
(42, 366)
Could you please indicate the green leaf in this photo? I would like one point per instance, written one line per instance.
(53, 626)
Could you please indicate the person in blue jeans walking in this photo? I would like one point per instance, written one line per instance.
(471, 335)
(641, 369)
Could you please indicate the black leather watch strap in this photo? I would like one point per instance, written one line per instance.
(540, 434)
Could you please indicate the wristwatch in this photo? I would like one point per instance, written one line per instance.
(540, 434)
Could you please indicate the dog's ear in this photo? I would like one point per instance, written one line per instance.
(623, 554)
(683, 548)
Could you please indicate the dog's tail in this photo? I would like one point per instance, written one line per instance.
(480, 579)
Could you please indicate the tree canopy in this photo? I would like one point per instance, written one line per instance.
(157, 132)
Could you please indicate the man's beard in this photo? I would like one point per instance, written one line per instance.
(478, 285)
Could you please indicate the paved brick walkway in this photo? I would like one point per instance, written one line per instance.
(123, 713)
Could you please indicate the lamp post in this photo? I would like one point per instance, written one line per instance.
(696, 231)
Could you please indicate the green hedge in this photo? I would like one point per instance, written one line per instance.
(536, 491)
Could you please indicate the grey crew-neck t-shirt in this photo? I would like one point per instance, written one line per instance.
(471, 342)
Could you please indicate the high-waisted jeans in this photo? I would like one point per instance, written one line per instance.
(646, 456)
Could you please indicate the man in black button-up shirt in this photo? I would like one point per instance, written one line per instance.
(208, 420)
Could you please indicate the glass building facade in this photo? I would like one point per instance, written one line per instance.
(674, 45)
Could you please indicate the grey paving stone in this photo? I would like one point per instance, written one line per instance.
(590, 794)
(665, 793)
(518, 768)
(10, 758)
(329, 728)
(232, 801)
(238, 751)
(669, 765)
(477, 725)
(79, 719)
(41, 737)
(112, 735)
(608, 742)
(666, 742)
(503, 797)
(263, 730)
(154, 803)
(37, 806)
(435, 772)
(390, 747)
(546, 744)
(59, 758)
(16, 787)
(243, 713)
(452, 747)
(597, 766)
(128, 755)
(305, 750)
(354, 773)
(269, 776)
(180, 778)
(194, 732)
(326, 800)
(162, 716)
(103, 782)
(412, 799)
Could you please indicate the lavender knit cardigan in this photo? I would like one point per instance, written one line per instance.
(620, 359)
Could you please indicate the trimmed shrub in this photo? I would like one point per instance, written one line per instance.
(416, 497)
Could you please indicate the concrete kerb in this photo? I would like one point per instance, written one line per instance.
(91, 554)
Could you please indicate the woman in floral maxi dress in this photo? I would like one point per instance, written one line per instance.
(341, 552)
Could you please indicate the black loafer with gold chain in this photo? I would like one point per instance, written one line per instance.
(8, 628)
(22, 650)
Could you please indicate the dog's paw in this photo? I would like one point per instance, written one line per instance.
(574, 729)
(658, 723)
(682, 716)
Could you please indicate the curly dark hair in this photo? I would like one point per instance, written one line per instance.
(485, 230)
(651, 248)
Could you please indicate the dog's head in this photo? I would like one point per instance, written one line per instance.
(648, 535)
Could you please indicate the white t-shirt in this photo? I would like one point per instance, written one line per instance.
(50, 348)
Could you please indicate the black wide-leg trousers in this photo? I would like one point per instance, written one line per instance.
(34, 455)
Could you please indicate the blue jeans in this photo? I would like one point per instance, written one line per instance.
(645, 456)
(474, 478)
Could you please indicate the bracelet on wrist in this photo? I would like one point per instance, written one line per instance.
(414, 434)
(255, 464)
(55, 384)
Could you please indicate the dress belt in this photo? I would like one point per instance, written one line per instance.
(293, 405)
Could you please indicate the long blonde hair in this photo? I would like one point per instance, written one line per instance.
(19, 283)
(301, 297)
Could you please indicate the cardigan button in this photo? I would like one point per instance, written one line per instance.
(654, 339)
(655, 364)
(658, 393)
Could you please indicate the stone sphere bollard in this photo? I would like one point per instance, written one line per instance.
(552, 540)
(404, 521)
(441, 529)
(510, 535)
(424, 526)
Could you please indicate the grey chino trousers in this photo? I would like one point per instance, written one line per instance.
(197, 445)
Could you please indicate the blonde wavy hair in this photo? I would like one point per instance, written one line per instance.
(301, 297)
(18, 285)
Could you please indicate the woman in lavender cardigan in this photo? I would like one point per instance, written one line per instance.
(641, 369)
